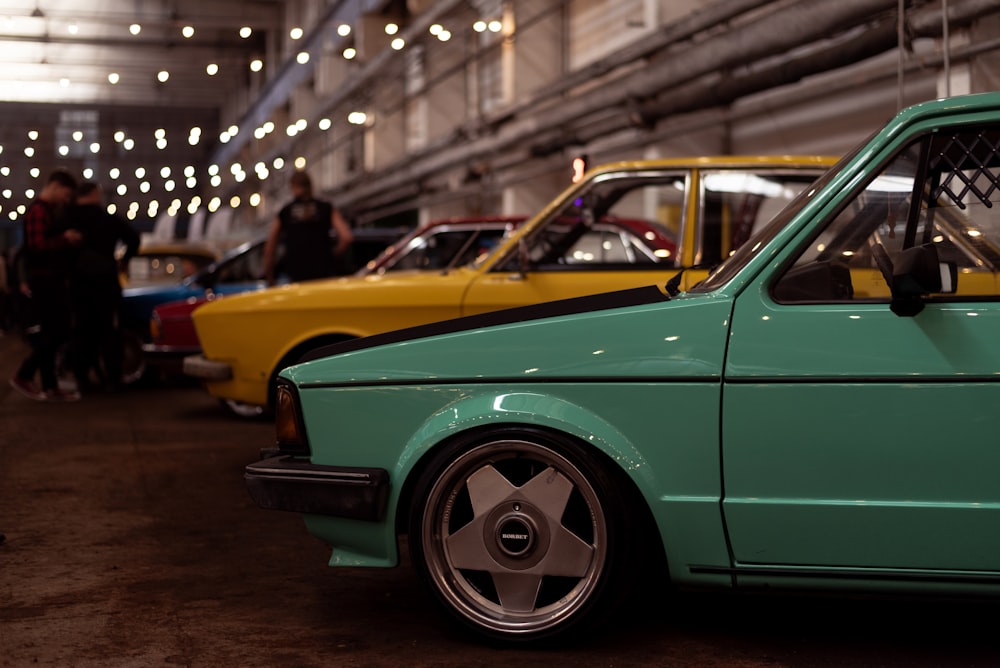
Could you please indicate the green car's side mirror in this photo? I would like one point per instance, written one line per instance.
(916, 273)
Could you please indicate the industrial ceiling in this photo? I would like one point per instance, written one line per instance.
(126, 92)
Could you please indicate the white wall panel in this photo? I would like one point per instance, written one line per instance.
(600, 27)
(538, 49)
(986, 67)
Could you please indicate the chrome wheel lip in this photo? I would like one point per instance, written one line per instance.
(133, 358)
(458, 592)
(243, 410)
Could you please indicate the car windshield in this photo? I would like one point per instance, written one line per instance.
(724, 273)
(621, 220)
(164, 268)
(443, 248)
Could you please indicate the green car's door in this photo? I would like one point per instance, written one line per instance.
(854, 437)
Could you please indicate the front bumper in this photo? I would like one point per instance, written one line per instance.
(157, 350)
(287, 483)
(201, 367)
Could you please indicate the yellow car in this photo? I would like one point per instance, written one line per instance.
(626, 224)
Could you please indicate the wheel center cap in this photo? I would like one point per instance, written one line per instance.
(515, 536)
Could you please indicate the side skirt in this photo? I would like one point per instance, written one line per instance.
(929, 578)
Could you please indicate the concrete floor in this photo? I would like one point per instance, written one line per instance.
(131, 541)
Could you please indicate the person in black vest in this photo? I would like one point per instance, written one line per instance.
(47, 256)
(95, 288)
(304, 225)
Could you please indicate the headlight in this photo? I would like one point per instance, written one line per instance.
(288, 421)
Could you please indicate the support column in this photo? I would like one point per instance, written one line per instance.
(537, 50)
(955, 78)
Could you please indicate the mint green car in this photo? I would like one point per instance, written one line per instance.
(821, 412)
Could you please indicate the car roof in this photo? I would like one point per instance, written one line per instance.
(176, 248)
(718, 162)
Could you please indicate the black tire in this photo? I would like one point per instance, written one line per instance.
(522, 535)
(134, 365)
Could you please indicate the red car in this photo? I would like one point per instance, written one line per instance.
(438, 245)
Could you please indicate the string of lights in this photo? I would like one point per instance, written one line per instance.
(170, 186)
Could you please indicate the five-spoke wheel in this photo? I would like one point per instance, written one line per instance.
(519, 534)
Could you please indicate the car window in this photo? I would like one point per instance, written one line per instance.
(445, 248)
(621, 221)
(735, 204)
(942, 190)
(243, 268)
(742, 255)
(608, 243)
(163, 268)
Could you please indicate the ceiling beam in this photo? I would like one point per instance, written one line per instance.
(258, 14)
(254, 43)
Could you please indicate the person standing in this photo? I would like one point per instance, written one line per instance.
(46, 256)
(95, 288)
(304, 225)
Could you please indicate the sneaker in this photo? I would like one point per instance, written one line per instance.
(61, 395)
(27, 388)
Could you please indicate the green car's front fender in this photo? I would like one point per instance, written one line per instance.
(480, 408)
(672, 461)
(584, 378)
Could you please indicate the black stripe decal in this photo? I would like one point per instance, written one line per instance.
(631, 380)
(604, 301)
(713, 379)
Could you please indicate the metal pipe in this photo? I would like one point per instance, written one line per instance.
(518, 136)
(946, 44)
(900, 51)
(800, 24)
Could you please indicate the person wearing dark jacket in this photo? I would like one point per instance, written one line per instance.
(95, 288)
(304, 224)
(46, 256)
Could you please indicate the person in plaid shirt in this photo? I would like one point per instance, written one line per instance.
(47, 256)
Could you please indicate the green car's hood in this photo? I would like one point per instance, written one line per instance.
(575, 339)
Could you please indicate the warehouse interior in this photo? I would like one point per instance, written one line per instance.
(192, 114)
